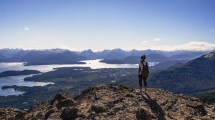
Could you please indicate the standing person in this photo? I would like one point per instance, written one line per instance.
(143, 72)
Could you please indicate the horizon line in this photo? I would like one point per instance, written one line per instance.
(127, 50)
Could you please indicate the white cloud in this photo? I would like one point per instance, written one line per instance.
(20, 46)
(33, 41)
(145, 42)
(193, 45)
(157, 39)
(64, 47)
(153, 42)
(26, 28)
(67, 47)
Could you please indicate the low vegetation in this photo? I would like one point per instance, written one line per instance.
(71, 80)
(208, 98)
(16, 73)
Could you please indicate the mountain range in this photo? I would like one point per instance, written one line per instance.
(194, 77)
(40, 57)
(115, 56)
(153, 55)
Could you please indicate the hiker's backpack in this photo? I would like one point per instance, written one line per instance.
(145, 70)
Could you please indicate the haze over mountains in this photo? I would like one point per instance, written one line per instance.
(115, 56)
(152, 55)
(40, 57)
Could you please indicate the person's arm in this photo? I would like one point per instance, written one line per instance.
(147, 67)
(139, 69)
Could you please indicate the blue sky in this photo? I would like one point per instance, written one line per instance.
(108, 24)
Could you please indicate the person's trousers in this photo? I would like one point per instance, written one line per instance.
(142, 80)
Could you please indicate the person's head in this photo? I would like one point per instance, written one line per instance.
(142, 58)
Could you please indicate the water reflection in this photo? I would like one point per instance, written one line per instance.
(19, 80)
(10, 91)
(93, 64)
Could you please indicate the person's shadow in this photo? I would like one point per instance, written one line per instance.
(155, 107)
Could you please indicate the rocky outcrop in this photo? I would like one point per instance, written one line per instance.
(115, 102)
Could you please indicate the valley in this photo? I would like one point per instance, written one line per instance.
(178, 76)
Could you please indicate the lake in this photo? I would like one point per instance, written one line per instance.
(19, 80)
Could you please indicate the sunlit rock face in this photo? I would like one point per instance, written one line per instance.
(116, 102)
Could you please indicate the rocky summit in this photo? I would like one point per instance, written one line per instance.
(108, 102)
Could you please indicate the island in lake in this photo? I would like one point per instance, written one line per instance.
(16, 73)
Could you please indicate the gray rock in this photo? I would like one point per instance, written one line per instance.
(49, 112)
(71, 113)
(59, 97)
(110, 102)
(19, 114)
(142, 114)
(129, 95)
(65, 103)
(198, 108)
(98, 108)
(38, 116)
